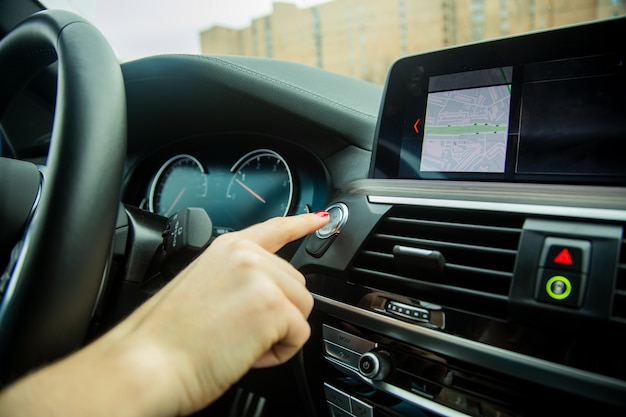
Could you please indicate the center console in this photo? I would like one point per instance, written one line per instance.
(480, 270)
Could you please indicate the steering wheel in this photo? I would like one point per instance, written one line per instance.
(57, 268)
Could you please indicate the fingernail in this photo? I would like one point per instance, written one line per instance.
(321, 213)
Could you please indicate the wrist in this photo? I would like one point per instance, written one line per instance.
(104, 379)
(135, 371)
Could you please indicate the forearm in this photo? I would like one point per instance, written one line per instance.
(104, 379)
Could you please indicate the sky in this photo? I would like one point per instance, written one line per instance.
(137, 28)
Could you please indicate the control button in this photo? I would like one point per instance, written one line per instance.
(361, 409)
(338, 412)
(375, 365)
(320, 241)
(345, 339)
(566, 254)
(341, 354)
(407, 311)
(337, 397)
(560, 288)
(369, 365)
(338, 214)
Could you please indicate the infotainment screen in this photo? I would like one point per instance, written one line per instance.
(467, 122)
(555, 112)
(573, 125)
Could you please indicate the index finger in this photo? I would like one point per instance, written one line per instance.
(276, 232)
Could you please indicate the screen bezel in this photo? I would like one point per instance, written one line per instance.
(407, 85)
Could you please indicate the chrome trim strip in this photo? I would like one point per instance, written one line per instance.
(562, 211)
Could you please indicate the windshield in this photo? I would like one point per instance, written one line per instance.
(358, 38)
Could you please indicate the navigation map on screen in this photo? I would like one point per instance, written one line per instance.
(466, 130)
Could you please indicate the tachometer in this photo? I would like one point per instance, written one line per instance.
(180, 182)
(261, 187)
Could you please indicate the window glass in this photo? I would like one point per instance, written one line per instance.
(359, 38)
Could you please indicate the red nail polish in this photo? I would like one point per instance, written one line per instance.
(321, 213)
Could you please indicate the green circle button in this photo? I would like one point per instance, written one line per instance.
(558, 287)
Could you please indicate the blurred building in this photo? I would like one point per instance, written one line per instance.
(362, 39)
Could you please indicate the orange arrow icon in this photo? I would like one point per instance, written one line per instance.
(415, 125)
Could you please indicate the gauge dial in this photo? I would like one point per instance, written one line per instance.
(261, 186)
(180, 182)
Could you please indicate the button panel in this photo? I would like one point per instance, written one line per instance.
(341, 404)
(582, 253)
(345, 347)
(562, 272)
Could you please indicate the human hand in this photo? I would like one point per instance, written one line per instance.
(236, 306)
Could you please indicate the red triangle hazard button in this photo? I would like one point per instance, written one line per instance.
(564, 257)
(566, 254)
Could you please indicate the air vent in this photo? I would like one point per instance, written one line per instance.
(619, 297)
(479, 249)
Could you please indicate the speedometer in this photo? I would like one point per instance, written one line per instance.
(180, 182)
(261, 187)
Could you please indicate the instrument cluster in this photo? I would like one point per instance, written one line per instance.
(236, 187)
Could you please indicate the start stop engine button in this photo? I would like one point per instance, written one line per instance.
(338, 217)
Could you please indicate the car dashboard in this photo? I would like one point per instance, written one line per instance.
(224, 126)
(474, 262)
(475, 259)
(480, 268)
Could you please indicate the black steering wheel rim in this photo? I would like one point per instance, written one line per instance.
(56, 279)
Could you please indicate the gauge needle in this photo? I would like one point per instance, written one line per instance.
(250, 190)
(176, 200)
